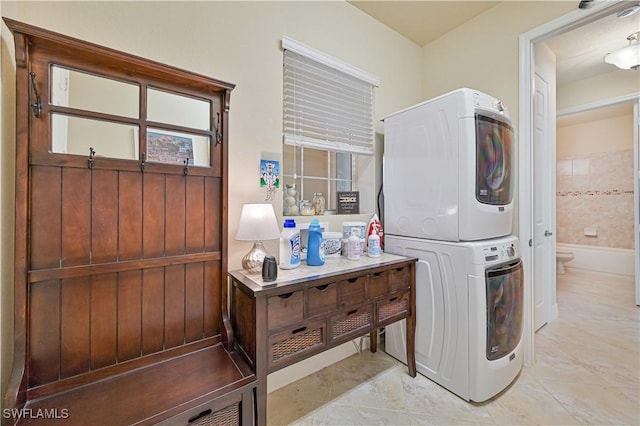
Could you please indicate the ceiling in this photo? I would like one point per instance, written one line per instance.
(423, 21)
(579, 53)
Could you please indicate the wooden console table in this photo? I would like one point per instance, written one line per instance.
(310, 309)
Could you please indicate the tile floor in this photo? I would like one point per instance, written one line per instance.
(587, 372)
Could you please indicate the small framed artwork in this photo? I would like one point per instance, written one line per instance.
(168, 148)
(270, 173)
(349, 202)
(269, 176)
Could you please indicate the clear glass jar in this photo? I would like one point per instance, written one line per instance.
(306, 208)
(319, 202)
(290, 202)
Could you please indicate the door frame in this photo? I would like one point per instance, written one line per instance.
(567, 22)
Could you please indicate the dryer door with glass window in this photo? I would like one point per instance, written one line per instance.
(494, 156)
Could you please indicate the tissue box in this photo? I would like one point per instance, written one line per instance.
(348, 226)
(332, 243)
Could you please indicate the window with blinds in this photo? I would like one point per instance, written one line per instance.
(325, 108)
(328, 109)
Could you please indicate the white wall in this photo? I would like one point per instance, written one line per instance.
(238, 42)
(484, 54)
(598, 134)
(596, 89)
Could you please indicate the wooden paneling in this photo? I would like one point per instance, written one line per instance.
(44, 334)
(104, 216)
(153, 219)
(194, 302)
(212, 301)
(175, 213)
(45, 212)
(110, 216)
(129, 315)
(152, 310)
(74, 326)
(107, 216)
(76, 217)
(195, 207)
(174, 306)
(104, 320)
(213, 214)
(130, 216)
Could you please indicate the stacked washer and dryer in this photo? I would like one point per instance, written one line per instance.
(448, 201)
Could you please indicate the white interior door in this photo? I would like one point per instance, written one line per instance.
(544, 184)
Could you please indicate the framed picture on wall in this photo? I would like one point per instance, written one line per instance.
(168, 148)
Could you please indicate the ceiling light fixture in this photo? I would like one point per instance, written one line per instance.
(629, 56)
(632, 10)
(586, 4)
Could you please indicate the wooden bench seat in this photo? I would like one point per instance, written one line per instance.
(175, 390)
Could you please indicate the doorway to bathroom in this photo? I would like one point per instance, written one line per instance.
(528, 164)
(595, 186)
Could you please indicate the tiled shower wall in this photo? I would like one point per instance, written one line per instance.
(595, 191)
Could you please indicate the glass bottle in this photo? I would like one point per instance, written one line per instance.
(319, 202)
(306, 208)
(290, 202)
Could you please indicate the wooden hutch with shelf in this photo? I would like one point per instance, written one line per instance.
(121, 241)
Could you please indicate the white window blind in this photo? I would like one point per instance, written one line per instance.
(328, 105)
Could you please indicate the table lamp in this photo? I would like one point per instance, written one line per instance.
(257, 223)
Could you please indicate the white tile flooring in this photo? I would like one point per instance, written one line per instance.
(587, 371)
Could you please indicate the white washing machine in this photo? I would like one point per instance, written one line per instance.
(469, 313)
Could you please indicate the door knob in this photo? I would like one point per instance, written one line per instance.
(548, 234)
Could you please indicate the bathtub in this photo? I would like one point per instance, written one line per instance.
(601, 259)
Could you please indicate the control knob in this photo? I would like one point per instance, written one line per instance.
(511, 251)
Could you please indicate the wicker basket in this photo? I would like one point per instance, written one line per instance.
(350, 323)
(228, 416)
(296, 344)
(393, 308)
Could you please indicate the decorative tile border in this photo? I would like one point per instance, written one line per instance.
(591, 193)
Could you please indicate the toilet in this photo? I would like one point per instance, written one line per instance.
(562, 257)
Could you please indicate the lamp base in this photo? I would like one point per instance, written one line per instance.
(252, 261)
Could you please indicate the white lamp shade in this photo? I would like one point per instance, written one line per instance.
(626, 58)
(257, 222)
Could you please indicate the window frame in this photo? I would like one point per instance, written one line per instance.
(360, 179)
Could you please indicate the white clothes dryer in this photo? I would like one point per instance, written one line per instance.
(469, 313)
(448, 168)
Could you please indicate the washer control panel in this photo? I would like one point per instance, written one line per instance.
(501, 251)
